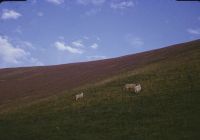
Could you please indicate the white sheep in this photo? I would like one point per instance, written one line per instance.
(78, 96)
(137, 88)
(129, 87)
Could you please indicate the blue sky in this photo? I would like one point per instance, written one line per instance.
(50, 32)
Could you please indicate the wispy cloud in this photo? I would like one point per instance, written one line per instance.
(121, 4)
(56, 2)
(94, 46)
(25, 45)
(96, 57)
(9, 53)
(10, 14)
(78, 43)
(94, 2)
(78, 46)
(194, 31)
(16, 55)
(63, 47)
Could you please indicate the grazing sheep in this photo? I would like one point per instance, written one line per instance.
(138, 88)
(129, 87)
(78, 96)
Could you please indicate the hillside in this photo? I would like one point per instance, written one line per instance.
(167, 108)
(36, 82)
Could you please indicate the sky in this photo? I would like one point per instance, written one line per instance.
(51, 32)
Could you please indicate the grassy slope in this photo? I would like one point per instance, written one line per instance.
(167, 108)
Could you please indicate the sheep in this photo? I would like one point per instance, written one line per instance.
(129, 87)
(137, 88)
(133, 87)
(79, 96)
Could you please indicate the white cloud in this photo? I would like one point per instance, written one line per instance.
(28, 44)
(62, 47)
(94, 46)
(9, 53)
(96, 57)
(16, 55)
(77, 46)
(10, 14)
(94, 2)
(77, 43)
(24, 45)
(57, 2)
(122, 4)
(194, 31)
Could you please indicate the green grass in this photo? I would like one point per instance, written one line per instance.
(167, 108)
